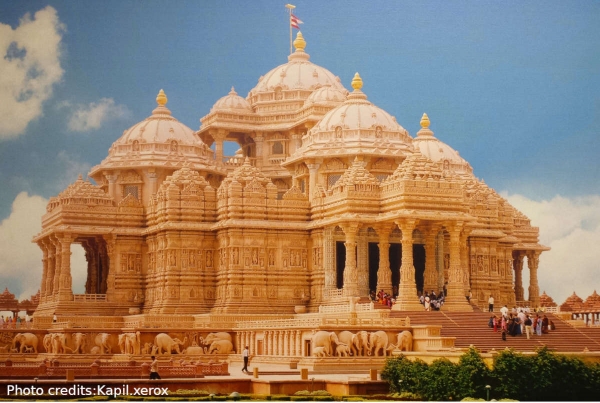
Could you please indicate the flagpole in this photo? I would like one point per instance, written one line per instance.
(290, 7)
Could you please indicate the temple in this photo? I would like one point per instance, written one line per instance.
(327, 199)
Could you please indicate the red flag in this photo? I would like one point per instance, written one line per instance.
(295, 21)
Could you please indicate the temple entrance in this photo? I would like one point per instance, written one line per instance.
(419, 263)
(373, 265)
(395, 261)
(340, 263)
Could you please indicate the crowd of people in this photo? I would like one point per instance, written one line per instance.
(10, 322)
(431, 301)
(520, 322)
(383, 298)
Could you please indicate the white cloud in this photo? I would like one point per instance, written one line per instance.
(20, 259)
(571, 227)
(91, 117)
(29, 67)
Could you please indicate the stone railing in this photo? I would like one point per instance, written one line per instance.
(76, 322)
(333, 293)
(345, 308)
(97, 369)
(158, 322)
(89, 297)
(234, 161)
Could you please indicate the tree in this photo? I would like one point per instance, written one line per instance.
(441, 381)
(511, 377)
(404, 375)
(473, 375)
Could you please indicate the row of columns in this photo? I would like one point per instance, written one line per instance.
(533, 260)
(407, 296)
(283, 343)
(56, 272)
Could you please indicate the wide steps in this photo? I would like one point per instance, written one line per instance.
(471, 328)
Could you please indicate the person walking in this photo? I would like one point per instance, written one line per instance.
(528, 326)
(491, 304)
(245, 355)
(154, 368)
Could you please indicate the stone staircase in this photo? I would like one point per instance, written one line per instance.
(471, 328)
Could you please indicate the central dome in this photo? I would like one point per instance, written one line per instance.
(297, 74)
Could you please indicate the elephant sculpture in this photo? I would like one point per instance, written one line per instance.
(129, 343)
(47, 343)
(405, 341)
(220, 347)
(378, 341)
(358, 343)
(319, 352)
(211, 337)
(324, 339)
(102, 341)
(342, 350)
(80, 340)
(164, 342)
(58, 343)
(24, 340)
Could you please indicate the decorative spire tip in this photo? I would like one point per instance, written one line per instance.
(357, 82)
(299, 42)
(425, 121)
(161, 98)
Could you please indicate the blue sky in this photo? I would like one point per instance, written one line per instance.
(513, 86)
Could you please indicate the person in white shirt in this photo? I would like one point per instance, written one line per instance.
(504, 311)
(245, 354)
(491, 304)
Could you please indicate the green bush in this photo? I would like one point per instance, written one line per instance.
(323, 398)
(473, 375)
(280, 397)
(404, 375)
(320, 392)
(302, 393)
(512, 377)
(440, 381)
(302, 398)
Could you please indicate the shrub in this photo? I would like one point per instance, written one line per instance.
(302, 393)
(473, 375)
(440, 381)
(320, 392)
(512, 377)
(404, 375)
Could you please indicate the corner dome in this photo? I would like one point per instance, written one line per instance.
(232, 102)
(297, 74)
(438, 151)
(160, 139)
(327, 95)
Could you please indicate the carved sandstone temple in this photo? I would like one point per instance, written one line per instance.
(327, 199)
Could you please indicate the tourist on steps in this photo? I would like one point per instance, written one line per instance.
(528, 326)
(491, 304)
(245, 355)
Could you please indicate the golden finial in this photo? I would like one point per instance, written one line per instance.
(425, 121)
(161, 98)
(357, 82)
(299, 42)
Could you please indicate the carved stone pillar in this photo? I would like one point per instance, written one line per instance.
(455, 300)
(48, 279)
(518, 267)
(362, 265)
(407, 292)
(430, 276)
(259, 144)
(384, 274)
(533, 261)
(219, 136)
(111, 177)
(65, 291)
(350, 270)
(57, 267)
(252, 343)
(280, 343)
(312, 179)
(44, 249)
(153, 181)
(268, 342)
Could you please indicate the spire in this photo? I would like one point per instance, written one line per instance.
(232, 92)
(299, 42)
(425, 121)
(357, 82)
(161, 98)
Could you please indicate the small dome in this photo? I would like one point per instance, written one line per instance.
(358, 113)
(232, 101)
(157, 140)
(327, 95)
(159, 127)
(438, 151)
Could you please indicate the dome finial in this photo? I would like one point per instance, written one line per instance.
(357, 82)
(161, 98)
(232, 92)
(299, 42)
(425, 121)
